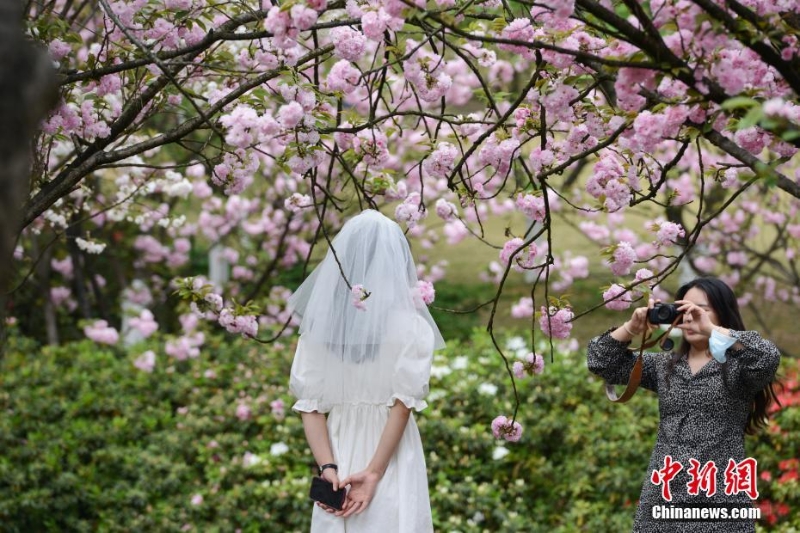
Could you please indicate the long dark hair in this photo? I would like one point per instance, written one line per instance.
(723, 301)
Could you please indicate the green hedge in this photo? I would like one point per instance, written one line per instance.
(90, 443)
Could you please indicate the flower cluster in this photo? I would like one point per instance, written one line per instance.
(348, 43)
(409, 211)
(499, 153)
(503, 427)
(146, 362)
(245, 324)
(617, 298)
(622, 258)
(100, 332)
(424, 293)
(525, 259)
(533, 363)
(532, 206)
(556, 322)
(519, 30)
(667, 233)
(427, 73)
(297, 202)
(359, 294)
(145, 323)
(441, 161)
(446, 210)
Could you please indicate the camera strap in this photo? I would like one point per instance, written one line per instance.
(635, 378)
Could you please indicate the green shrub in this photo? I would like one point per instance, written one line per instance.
(90, 443)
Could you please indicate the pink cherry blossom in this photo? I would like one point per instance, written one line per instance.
(519, 30)
(146, 362)
(145, 323)
(58, 49)
(532, 206)
(524, 259)
(185, 347)
(667, 233)
(278, 409)
(622, 258)
(441, 161)
(100, 332)
(446, 210)
(297, 202)
(247, 325)
(425, 292)
(531, 364)
(409, 211)
(523, 308)
(555, 322)
(348, 43)
(613, 299)
(290, 115)
(359, 294)
(343, 76)
(503, 427)
(243, 412)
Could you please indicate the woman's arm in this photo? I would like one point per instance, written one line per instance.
(609, 357)
(316, 429)
(363, 484)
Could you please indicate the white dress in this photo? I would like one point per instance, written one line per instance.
(357, 397)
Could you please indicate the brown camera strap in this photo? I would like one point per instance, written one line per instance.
(636, 372)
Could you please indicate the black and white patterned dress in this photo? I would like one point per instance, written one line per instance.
(700, 418)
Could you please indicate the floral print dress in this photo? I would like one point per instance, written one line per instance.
(702, 419)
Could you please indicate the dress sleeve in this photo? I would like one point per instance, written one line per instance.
(412, 369)
(613, 361)
(307, 382)
(758, 359)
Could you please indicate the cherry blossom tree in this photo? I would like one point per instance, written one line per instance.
(665, 130)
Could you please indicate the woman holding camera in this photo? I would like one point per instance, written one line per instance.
(713, 389)
(362, 365)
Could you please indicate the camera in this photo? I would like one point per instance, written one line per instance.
(663, 314)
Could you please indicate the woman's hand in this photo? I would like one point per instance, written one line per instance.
(362, 490)
(695, 319)
(638, 322)
(330, 475)
(636, 325)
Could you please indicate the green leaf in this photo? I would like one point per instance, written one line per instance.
(738, 102)
(499, 24)
(751, 118)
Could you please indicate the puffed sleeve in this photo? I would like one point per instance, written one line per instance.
(613, 361)
(307, 382)
(758, 359)
(412, 369)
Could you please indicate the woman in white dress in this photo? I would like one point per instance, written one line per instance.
(362, 365)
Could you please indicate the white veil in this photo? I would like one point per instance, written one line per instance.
(374, 253)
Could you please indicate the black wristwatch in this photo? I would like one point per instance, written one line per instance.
(329, 465)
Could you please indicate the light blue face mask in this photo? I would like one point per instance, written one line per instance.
(718, 344)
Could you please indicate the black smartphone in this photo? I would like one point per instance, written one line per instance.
(322, 492)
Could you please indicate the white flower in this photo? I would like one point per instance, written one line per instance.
(460, 362)
(90, 247)
(516, 343)
(251, 459)
(499, 452)
(488, 389)
(279, 448)
(181, 189)
(440, 371)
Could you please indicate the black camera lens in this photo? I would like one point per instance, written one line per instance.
(663, 314)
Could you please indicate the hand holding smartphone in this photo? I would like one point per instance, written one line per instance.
(322, 492)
